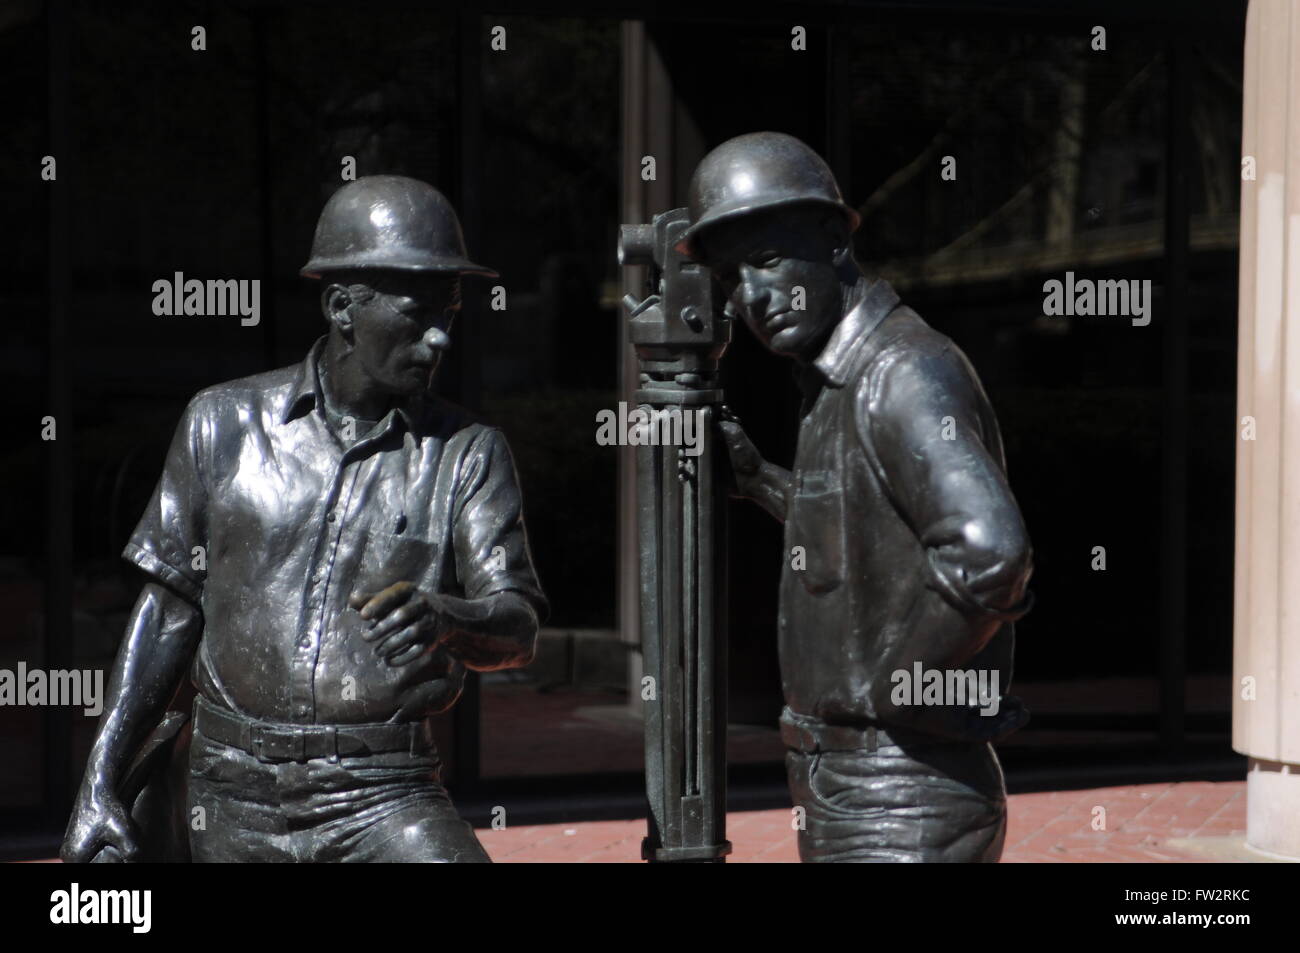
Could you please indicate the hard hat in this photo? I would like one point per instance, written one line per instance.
(389, 221)
(759, 170)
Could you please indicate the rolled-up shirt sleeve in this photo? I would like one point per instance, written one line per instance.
(923, 419)
(170, 541)
(489, 539)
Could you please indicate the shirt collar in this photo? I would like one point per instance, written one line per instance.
(870, 301)
(305, 394)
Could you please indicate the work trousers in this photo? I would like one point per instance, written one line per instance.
(387, 807)
(903, 803)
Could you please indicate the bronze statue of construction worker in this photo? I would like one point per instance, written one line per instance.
(906, 559)
(329, 548)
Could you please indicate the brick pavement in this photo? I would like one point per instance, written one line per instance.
(1136, 822)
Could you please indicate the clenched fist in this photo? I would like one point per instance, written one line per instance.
(405, 624)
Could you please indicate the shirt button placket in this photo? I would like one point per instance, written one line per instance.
(310, 645)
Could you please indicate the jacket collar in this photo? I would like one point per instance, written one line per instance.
(869, 302)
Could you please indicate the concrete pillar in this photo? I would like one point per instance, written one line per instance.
(1266, 640)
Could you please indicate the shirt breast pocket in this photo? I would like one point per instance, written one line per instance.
(402, 557)
(815, 531)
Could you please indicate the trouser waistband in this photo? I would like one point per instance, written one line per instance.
(273, 743)
(810, 735)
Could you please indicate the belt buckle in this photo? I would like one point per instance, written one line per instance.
(273, 746)
(256, 740)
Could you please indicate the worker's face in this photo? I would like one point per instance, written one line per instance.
(777, 271)
(398, 326)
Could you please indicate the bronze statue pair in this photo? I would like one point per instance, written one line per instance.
(331, 546)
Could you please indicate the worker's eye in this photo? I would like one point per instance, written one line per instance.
(767, 259)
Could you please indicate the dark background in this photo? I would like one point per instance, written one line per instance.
(1117, 164)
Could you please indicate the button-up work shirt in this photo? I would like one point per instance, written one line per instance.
(914, 548)
(268, 523)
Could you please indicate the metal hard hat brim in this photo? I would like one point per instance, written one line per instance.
(725, 213)
(439, 264)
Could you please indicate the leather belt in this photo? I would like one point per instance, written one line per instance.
(276, 743)
(810, 735)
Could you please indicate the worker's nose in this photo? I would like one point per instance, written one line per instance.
(437, 339)
(750, 289)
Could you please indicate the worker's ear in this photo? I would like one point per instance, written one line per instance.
(336, 304)
(840, 238)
